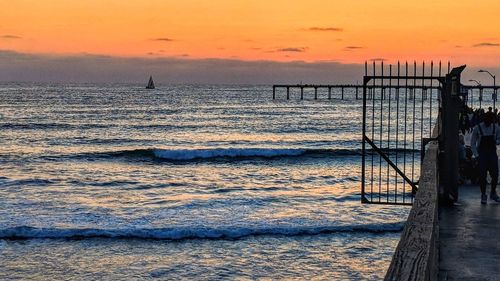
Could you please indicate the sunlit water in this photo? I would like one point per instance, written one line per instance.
(184, 182)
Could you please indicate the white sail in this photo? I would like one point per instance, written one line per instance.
(151, 84)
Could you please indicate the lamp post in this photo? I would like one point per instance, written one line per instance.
(494, 87)
(480, 93)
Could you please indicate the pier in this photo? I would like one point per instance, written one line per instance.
(288, 89)
(449, 234)
(468, 238)
(301, 87)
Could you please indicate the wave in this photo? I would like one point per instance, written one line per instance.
(4, 182)
(51, 126)
(179, 155)
(190, 154)
(219, 153)
(26, 232)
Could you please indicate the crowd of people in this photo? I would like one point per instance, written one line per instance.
(470, 118)
(480, 135)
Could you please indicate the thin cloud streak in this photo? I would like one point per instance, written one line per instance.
(331, 29)
(9, 36)
(164, 39)
(352, 48)
(486, 44)
(293, 49)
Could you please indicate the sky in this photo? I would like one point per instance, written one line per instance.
(319, 40)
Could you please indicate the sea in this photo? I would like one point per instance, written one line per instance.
(185, 182)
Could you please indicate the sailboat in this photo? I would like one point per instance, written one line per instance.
(151, 84)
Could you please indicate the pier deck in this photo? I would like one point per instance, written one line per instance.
(469, 238)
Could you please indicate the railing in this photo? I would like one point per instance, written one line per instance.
(400, 105)
(480, 96)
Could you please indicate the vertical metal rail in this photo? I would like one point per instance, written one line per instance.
(389, 130)
(363, 143)
(422, 104)
(397, 133)
(430, 99)
(414, 123)
(404, 134)
(381, 128)
(480, 98)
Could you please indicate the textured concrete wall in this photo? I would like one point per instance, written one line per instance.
(416, 256)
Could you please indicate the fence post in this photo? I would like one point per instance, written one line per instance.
(451, 105)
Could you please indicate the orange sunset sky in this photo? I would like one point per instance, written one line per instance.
(240, 41)
(313, 30)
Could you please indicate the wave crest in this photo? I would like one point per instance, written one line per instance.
(26, 232)
(227, 153)
(190, 154)
(220, 153)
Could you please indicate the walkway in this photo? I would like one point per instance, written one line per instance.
(469, 238)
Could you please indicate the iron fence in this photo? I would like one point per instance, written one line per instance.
(400, 109)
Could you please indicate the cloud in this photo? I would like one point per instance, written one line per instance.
(352, 48)
(16, 66)
(9, 36)
(293, 49)
(487, 44)
(331, 29)
(163, 39)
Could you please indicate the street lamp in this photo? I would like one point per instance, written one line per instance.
(494, 86)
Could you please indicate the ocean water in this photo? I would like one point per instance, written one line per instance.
(106, 182)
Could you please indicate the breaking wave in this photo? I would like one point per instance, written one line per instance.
(26, 232)
(234, 153)
(218, 153)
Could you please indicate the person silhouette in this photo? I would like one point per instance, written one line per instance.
(484, 140)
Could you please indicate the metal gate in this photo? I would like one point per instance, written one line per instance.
(400, 109)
